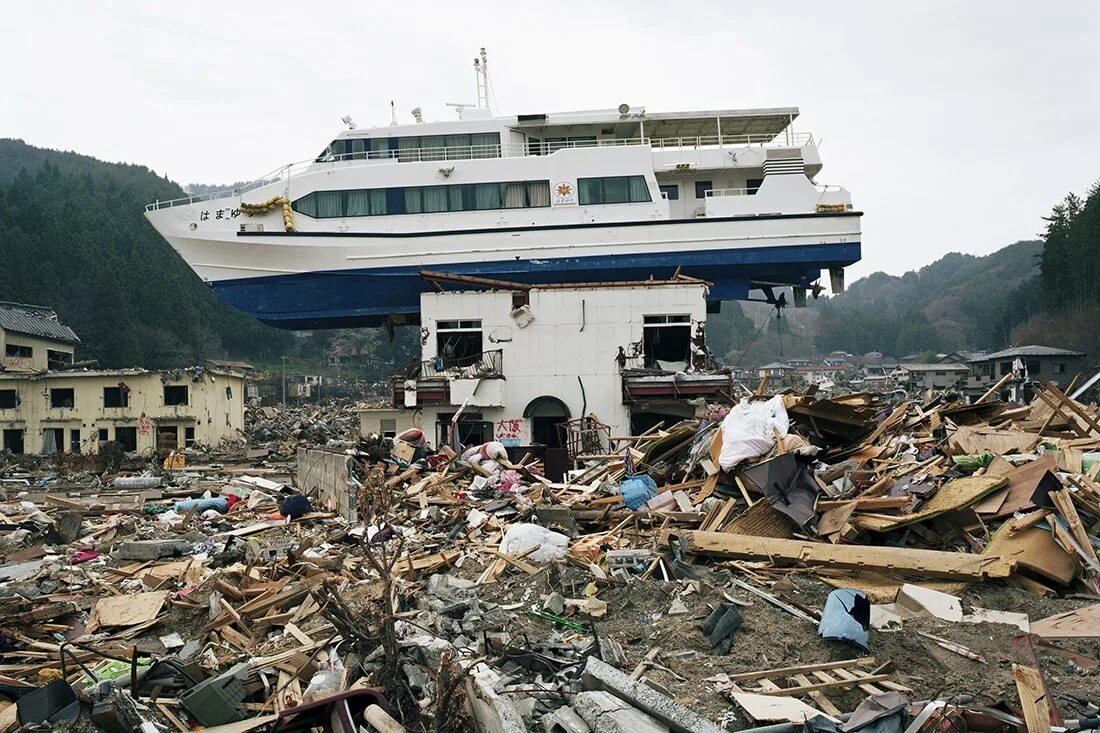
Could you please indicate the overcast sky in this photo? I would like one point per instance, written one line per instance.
(955, 125)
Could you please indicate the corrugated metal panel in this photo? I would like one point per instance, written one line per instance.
(35, 321)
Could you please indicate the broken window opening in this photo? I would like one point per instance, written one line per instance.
(18, 352)
(472, 430)
(9, 399)
(175, 394)
(188, 437)
(103, 437)
(387, 426)
(666, 342)
(74, 441)
(58, 359)
(13, 441)
(458, 344)
(116, 396)
(127, 438)
(63, 397)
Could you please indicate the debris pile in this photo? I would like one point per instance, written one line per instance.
(280, 429)
(790, 563)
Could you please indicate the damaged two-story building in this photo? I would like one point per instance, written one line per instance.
(48, 406)
(516, 363)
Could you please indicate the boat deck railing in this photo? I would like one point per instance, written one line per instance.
(714, 192)
(517, 150)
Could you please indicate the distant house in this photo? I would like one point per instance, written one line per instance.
(775, 369)
(33, 340)
(935, 376)
(1028, 364)
(959, 357)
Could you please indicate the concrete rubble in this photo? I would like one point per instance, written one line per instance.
(787, 563)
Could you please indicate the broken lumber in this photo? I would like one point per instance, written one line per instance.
(928, 563)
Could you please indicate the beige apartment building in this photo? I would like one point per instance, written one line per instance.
(47, 406)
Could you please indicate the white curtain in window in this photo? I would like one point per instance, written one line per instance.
(454, 198)
(408, 148)
(458, 147)
(378, 202)
(358, 148)
(590, 190)
(380, 148)
(486, 144)
(513, 196)
(412, 200)
(538, 193)
(432, 147)
(639, 191)
(49, 442)
(434, 198)
(616, 190)
(359, 203)
(487, 196)
(306, 205)
(330, 204)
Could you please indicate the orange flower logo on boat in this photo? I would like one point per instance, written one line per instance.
(564, 189)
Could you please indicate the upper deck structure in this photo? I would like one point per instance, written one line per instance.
(600, 195)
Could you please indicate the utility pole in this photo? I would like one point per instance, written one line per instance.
(284, 380)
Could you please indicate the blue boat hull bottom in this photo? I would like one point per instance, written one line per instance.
(365, 297)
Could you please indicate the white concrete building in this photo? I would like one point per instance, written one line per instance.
(511, 365)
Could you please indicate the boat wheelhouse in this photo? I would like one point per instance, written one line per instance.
(728, 196)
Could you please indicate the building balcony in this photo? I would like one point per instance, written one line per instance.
(450, 381)
(645, 386)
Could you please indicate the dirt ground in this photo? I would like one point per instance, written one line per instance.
(769, 637)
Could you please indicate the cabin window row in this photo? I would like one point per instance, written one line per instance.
(424, 199)
(613, 190)
(415, 147)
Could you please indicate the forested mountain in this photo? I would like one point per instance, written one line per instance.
(959, 301)
(73, 237)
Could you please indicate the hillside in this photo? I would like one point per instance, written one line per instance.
(958, 301)
(73, 236)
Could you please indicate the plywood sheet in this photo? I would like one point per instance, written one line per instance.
(953, 495)
(1082, 623)
(128, 610)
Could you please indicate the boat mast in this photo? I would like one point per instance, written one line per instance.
(481, 69)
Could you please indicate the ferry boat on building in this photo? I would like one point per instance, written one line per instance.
(729, 196)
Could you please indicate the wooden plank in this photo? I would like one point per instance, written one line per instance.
(788, 671)
(1071, 404)
(1064, 503)
(925, 563)
(823, 703)
(1029, 684)
(837, 684)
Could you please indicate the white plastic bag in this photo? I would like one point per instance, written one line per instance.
(749, 430)
(521, 537)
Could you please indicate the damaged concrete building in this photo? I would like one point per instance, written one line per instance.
(48, 406)
(513, 362)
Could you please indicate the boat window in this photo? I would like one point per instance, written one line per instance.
(379, 148)
(613, 190)
(435, 199)
(358, 148)
(671, 191)
(701, 188)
